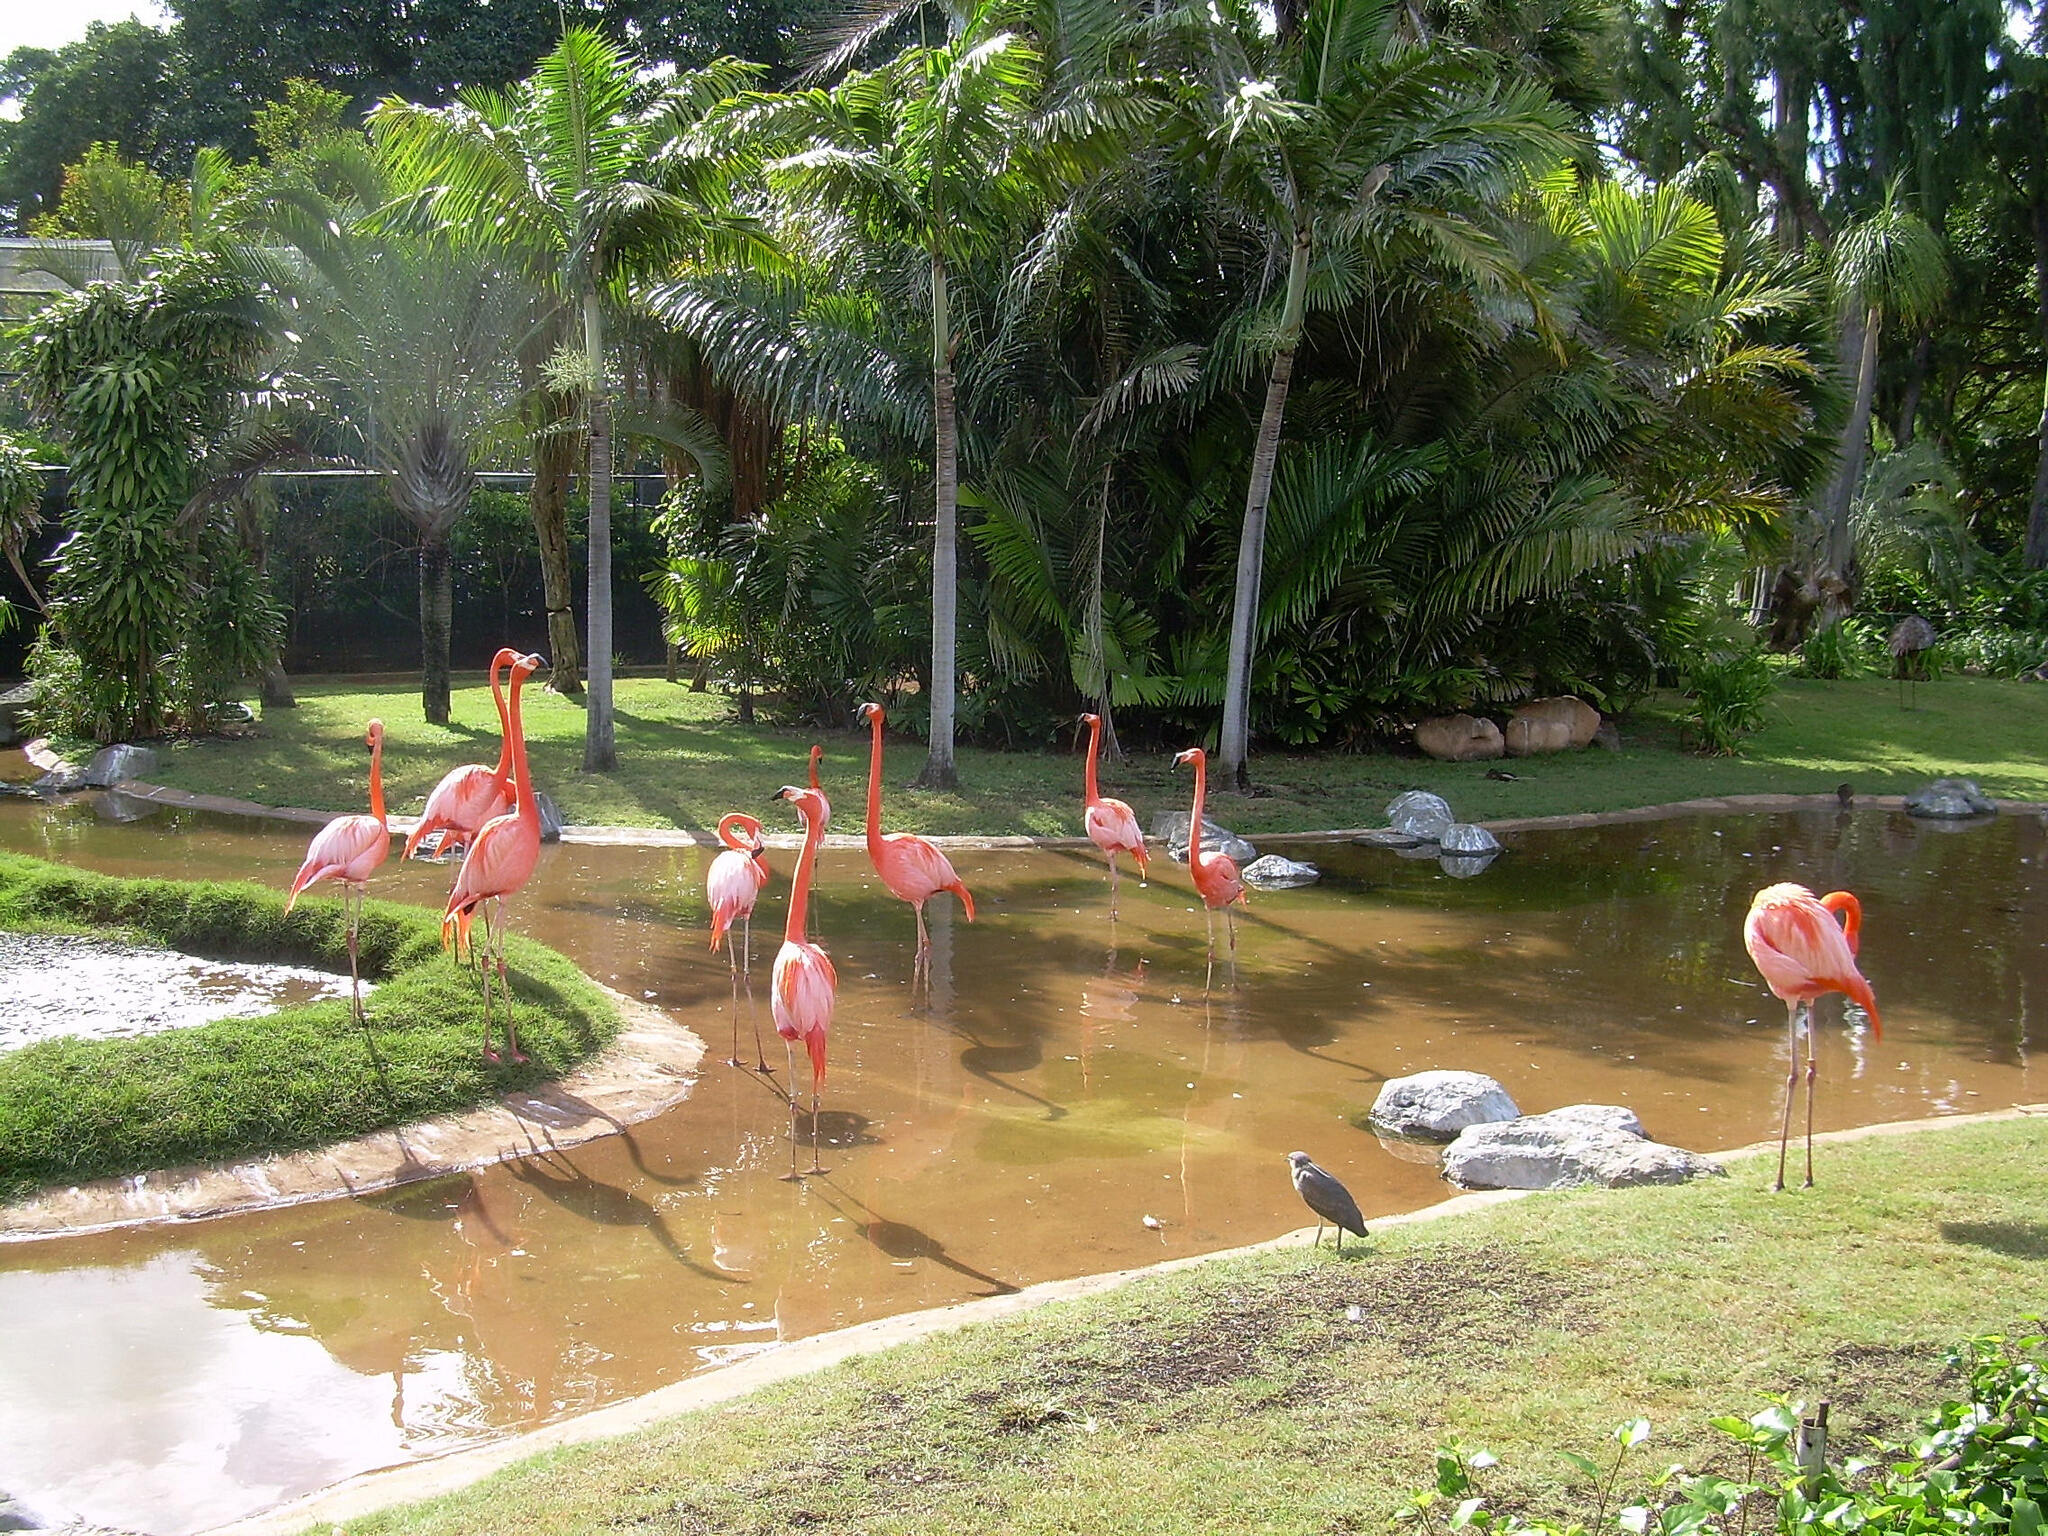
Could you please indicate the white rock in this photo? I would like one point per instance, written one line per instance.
(1463, 866)
(1440, 1104)
(1419, 814)
(1949, 800)
(1582, 1144)
(1465, 837)
(110, 765)
(1171, 828)
(1271, 872)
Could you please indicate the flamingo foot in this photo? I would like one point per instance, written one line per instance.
(762, 1066)
(492, 1056)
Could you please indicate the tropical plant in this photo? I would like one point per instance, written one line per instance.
(585, 175)
(1728, 692)
(21, 508)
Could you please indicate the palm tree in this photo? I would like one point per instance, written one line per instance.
(1331, 135)
(588, 175)
(1890, 263)
(924, 155)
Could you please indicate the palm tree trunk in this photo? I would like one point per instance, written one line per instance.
(939, 770)
(1916, 386)
(2037, 514)
(1839, 549)
(600, 754)
(547, 500)
(437, 604)
(1234, 749)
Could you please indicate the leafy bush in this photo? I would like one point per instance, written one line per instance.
(1993, 651)
(1841, 650)
(1728, 690)
(1980, 1466)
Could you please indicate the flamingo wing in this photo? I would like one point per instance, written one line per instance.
(347, 849)
(735, 879)
(1216, 877)
(1801, 950)
(801, 999)
(913, 868)
(1113, 827)
(464, 800)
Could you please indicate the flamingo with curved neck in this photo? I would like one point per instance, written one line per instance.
(472, 794)
(805, 985)
(501, 860)
(735, 879)
(1215, 873)
(910, 866)
(1112, 825)
(347, 851)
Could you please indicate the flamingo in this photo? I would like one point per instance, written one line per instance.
(736, 878)
(500, 861)
(1215, 873)
(816, 789)
(805, 983)
(471, 795)
(1112, 825)
(910, 866)
(1804, 953)
(347, 850)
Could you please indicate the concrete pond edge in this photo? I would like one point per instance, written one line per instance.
(370, 1492)
(648, 1069)
(687, 837)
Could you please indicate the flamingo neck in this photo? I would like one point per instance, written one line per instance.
(515, 737)
(875, 786)
(377, 778)
(816, 753)
(1850, 911)
(800, 883)
(504, 769)
(729, 835)
(1094, 788)
(1195, 821)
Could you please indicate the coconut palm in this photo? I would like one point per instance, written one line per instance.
(587, 175)
(1331, 135)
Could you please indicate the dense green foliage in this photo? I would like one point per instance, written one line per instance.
(299, 1077)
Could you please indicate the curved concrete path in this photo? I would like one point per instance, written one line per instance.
(373, 1491)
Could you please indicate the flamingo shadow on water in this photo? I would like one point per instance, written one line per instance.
(900, 1241)
(603, 1204)
(995, 1064)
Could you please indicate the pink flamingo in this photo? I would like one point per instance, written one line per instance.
(1804, 953)
(805, 983)
(1112, 825)
(348, 849)
(1215, 874)
(501, 860)
(736, 878)
(816, 789)
(471, 795)
(910, 866)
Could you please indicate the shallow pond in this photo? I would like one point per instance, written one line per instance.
(1064, 1081)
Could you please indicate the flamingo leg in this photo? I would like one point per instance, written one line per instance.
(1811, 1072)
(349, 905)
(505, 987)
(1209, 919)
(924, 939)
(789, 1063)
(1791, 1085)
(816, 1166)
(1230, 924)
(733, 1057)
(484, 977)
(1110, 854)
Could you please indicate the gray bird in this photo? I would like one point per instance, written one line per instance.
(1331, 1201)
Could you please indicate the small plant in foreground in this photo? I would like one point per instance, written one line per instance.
(1728, 691)
(1981, 1466)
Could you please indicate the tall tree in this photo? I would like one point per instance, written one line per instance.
(118, 85)
(588, 175)
(1335, 132)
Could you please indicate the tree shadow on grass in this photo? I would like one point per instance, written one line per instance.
(2014, 1239)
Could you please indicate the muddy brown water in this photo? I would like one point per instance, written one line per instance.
(1064, 1081)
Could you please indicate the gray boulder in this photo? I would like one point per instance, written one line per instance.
(1465, 837)
(1463, 866)
(1438, 1105)
(1584, 1144)
(111, 765)
(551, 822)
(1949, 800)
(1270, 872)
(1171, 828)
(64, 779)
(1387, 837)
(14, 704)
(1419, 814)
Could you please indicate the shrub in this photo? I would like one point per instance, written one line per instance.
(1993, 651)
(1841, 650)
(1728, 691)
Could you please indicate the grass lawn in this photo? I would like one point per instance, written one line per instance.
(72, 1110)
(1247, 1396)
(682, 763)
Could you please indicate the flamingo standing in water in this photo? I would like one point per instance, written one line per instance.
(472, 794)
(910, 866)
(1215, 874)
(805, 983)
(1804, 953)
(348, 849)
(500, 862)
(736, 879)
(1112, 825)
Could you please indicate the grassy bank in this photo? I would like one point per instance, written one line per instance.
(1245, 1396)
(681, 763)
(300, 1077)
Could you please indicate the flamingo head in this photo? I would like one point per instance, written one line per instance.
(506, 657)
(1091, 719)
(374, 737)
(526, 666)
(736, 829)
(1193, 755)
(868, 712)
(809, 803)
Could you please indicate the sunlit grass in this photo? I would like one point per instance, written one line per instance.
(1245, 1396)
(683, 763)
